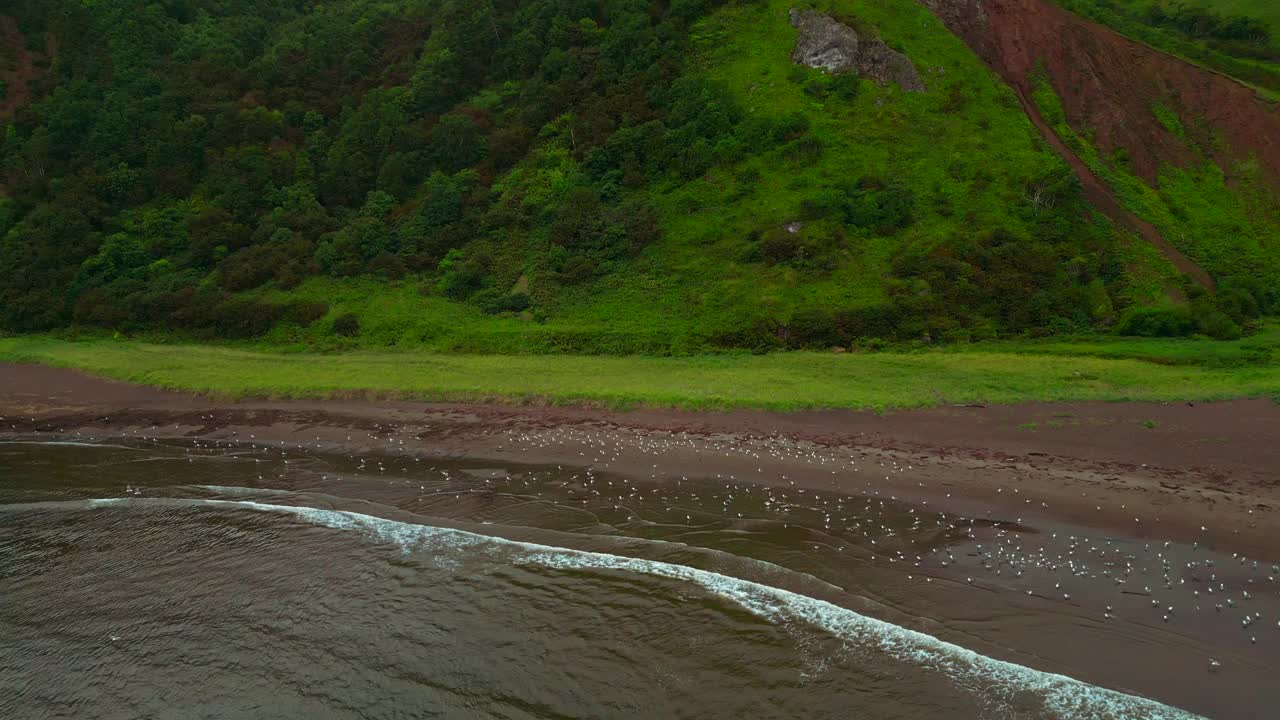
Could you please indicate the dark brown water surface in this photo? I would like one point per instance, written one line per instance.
(236, 582)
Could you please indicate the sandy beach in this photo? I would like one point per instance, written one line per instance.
(1142, 470)
(1133, 506)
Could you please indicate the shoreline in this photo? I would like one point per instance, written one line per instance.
(1132, 470)
(1103, 509)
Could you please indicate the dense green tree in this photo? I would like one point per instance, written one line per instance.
(181, 154)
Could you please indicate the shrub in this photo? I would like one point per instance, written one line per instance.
(1211, 321)
(759, 336)
(237, 318)
(1157, 322)
(456, 143)
(346, 325)
(872, 321)
(516, 302)
(389, 266)
(96, 307)
(879, 207)
(814, 328)
(1237, 304)
(805, 149)
(494, 301)
(304, 312)
(1249, 296)
(249, 268)
(824, 204)
(846, 86)
(640, 222)
(462, 276)
(781, 246)
(818, 87)
(579, 219)
(577, 269)
(790, 126)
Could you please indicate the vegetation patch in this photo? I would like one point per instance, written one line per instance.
(547, 177)
(779, 381)
(1225, 230)
(1240, 38)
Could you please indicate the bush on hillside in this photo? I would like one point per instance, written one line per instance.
(346, 325)
(1247, 296)
(494, 301)
(1157, 322)
(462, 275)
(1211, 321)
(305, 313)
(759, 336)
(814, 328)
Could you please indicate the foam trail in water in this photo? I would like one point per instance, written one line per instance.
(1060, 695)
(66, 443)
(232, 490)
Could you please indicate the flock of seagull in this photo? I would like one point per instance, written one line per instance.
(1174, 578)
(699, 483)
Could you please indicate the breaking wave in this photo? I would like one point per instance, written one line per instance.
(1000, 685)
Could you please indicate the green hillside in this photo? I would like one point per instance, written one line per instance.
(601, 176)
(1264, 10)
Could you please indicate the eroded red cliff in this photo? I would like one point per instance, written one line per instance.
(1110, 84)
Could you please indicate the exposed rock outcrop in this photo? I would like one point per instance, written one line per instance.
(826, 43)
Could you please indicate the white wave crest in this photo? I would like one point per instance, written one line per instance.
(234, 490)
(1060, 695)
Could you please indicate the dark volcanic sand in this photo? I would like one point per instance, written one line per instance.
(1176, 466)
(1080, 480)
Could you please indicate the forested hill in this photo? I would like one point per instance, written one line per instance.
(594, 176)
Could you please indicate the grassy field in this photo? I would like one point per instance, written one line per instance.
(999, 373)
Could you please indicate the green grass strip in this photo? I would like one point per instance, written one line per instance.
(782, 381)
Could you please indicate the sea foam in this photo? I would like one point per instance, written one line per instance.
(66, 443)
(998, 681)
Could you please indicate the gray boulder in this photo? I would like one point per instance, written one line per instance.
(835, 47)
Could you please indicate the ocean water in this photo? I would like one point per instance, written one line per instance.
(157, 581)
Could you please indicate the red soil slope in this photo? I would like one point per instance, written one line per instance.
(1109, 84)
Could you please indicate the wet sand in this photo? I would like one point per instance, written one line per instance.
(1135, 470)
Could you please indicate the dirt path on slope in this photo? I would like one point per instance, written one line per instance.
(1100, 197)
